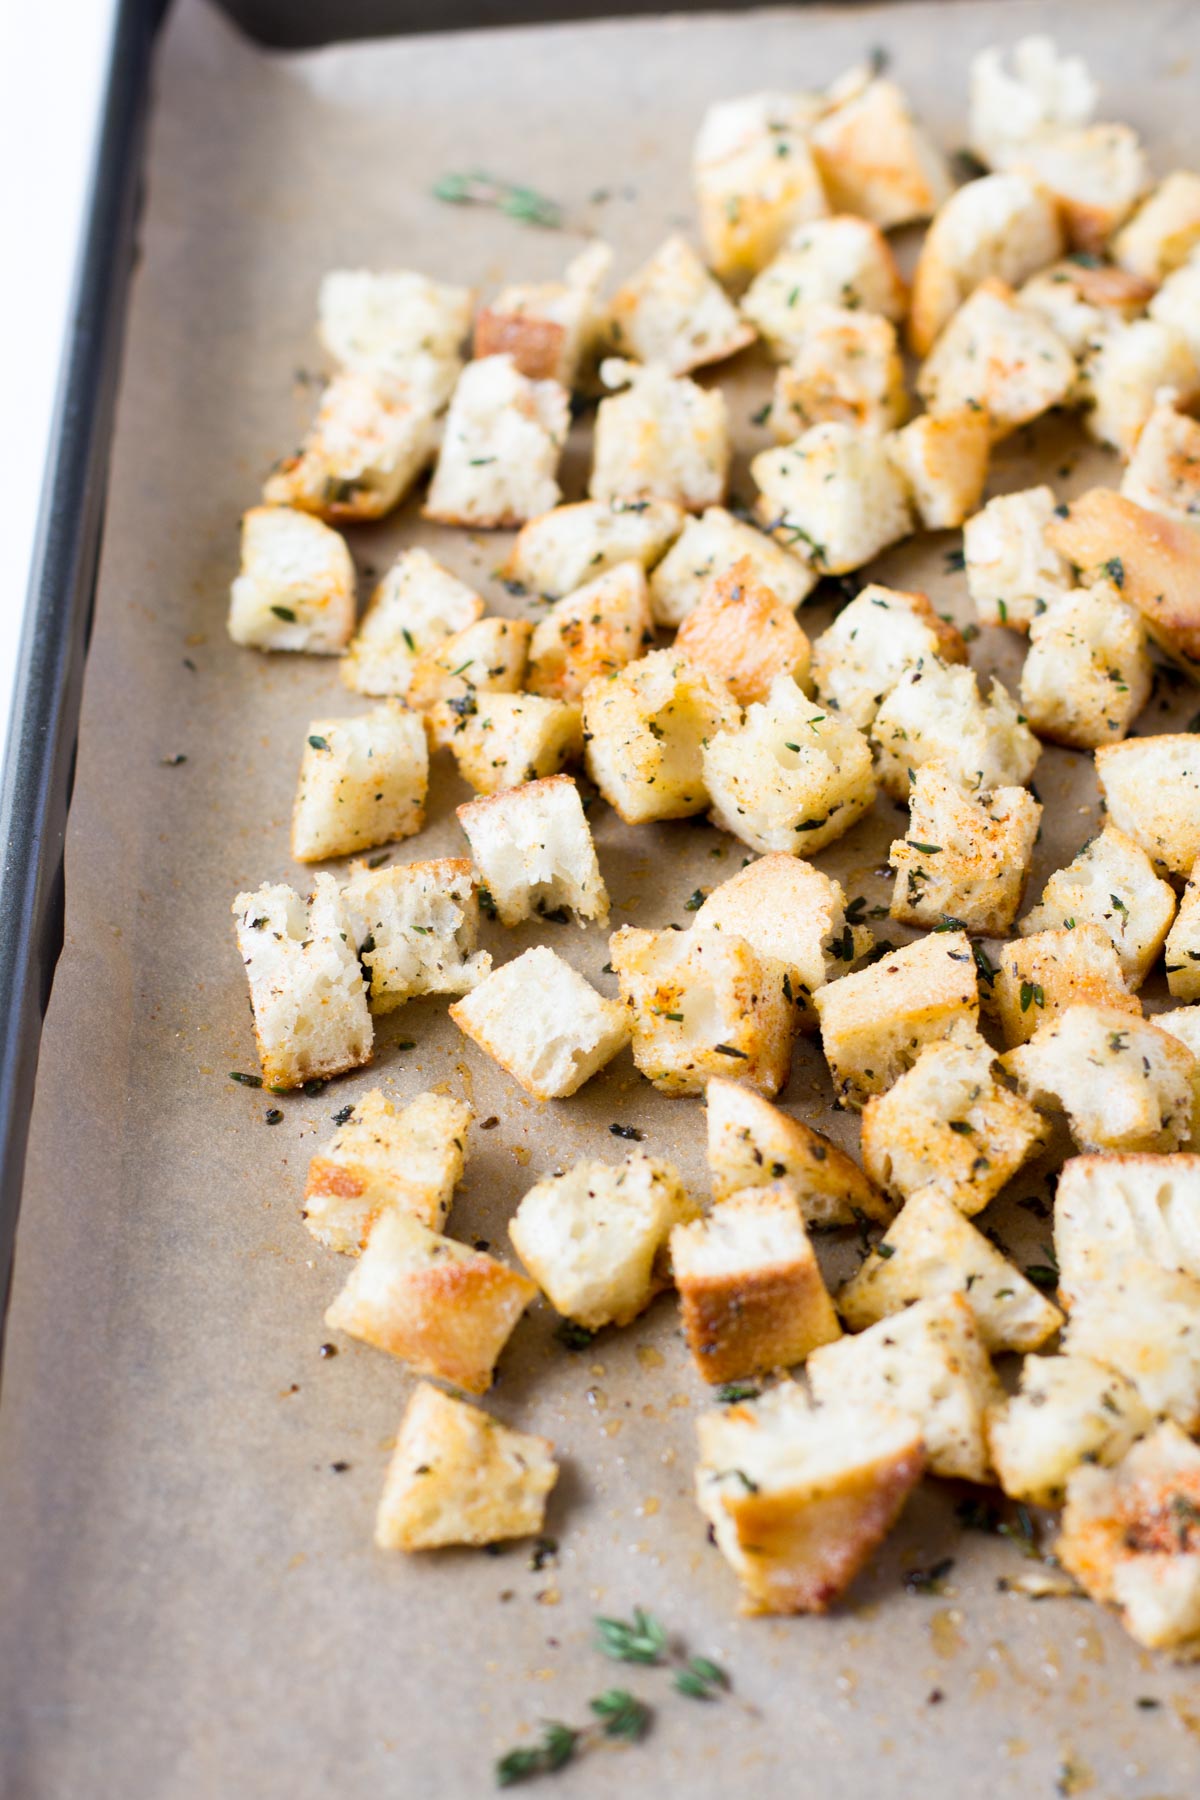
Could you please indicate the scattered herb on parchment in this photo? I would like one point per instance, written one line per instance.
(475, 187)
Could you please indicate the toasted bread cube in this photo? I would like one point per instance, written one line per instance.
(1088, 673)
(753, 1144)
(876, 1022)
(1109, 1209)
(381, 1158)
(944, 462)
(1001, 228)
(443, 1308)
(362, 782)
(534, 851)
(1123, 1084)
(1182, 948)
(745, 635)
(1144, 1321)
(543, 1023)
(1038, 977)
(415, 608)
(931, 1249)
(1126, 372)
(755, 179)
(500, 740)
(1183, 1022)
(1164, 230)
(1042, 91)
(388, 321)
(965, 856)
(592, 632)
(416, 926)
(873, 642)
(1177, 302)
(703, 1003)
(556, 553)
(1082, 299)
(843, 262)
(488, 657)
(1013, 572)
(874, 158)
(1094, 174)
(1000, 355)
(928, 1361)
(792, 777)
(1151, 786)
(751, 1291)
(595, 1238)
(672, 312)
(799, 1496)
(1154, 561)
(371, 438)
(645, 729)
(663, 438)
(295, 590)
(707, 549)
(1112, 884)
(547, 327)
(1164, 470)
(936, 713)
(458, 1477)
(836, 494)
(1070, 1410)
(950, 1126)
(306, 988)
(504, 435)
(843, 365)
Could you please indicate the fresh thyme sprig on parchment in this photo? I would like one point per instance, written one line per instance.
(644, 1640)
(474, 187)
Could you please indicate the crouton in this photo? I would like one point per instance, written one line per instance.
(1088, 673)
(965, 857)
(543, 1023)
(1163, 231)
(744, 635)
(1001, 228)
(799, 1496)
(1042, 91)
(662, 438)
(362, 782)
(873, 1026)
(1183, 1022)
(416, 607)
(1094, 174)
(753, 1144)
(755, 179)
(1182, 948)
(415, 927)
(874, 158)
(1154, 561)
(1144, 1321)
(1109, 1209)
(1013, 570)
(534, 851)
(873, 641)
(707, 549)
(1151, 786)
(555, 554)
(792, 777)
(306, 988)
(701, 1003)
(411, 1159)
(547, 327)
(844, 261)
(1083, 299)
(295, 589)
(371, 438)
(672, 312)
(385, 322)
(930, 1363)
(594, 631)
(750, 1289)
(930, 1250)
(488, 657)
(443, 1308)
(645, 729)
(1000, 355)
(944, 463)
(1070, 1410)
(844, 365)
(1039, 977)
(836, 494)
(595, 1237)
(1163, 473)
(1127, 371)
(504, 435)
(1112, 884)
(500, 740)
(1177, 301)
(458, 1477)
(1123, 1084)
(936, 713)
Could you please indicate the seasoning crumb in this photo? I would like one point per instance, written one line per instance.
(273, 1116)
(339, 1468)
(327, 1350)
(935, 1697)
(489, 1124)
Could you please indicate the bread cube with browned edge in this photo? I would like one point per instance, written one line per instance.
(1144, 1321)
(877, 638)
(1037, 978)
(1123, 1084)
(965, 857)
(1069, 1410)
(1175, 303)
(438, 1305)
(1003, 227)
(936, 713)
(1164, 230)
(661, 438)
(1083, 300)
(363, 782)
(755, 178)
(416, 926)
(488, 657)
(560, 550)
(999, 355)
(1025, 92)
(295, 589)
(595, 631)
(1093, 173)
(1110, 884)
(543, 1023)
(306, 988)
(843, 365)
(595, 1237)
(1182, 948)
(500, 740)
(1125, 374)
(843, 261)
(409, 1158)
(418, 606)
(929, 1362)
(534, 852)
(549, 328)
(1109, 1210)
(944, 463)
(707, 548)
(744, 635)
(1088, 672)
(754, 1144)
(800, 1496)
(671, 311)
(645, 729)
(751, 1291)
(834, 495)
(1013, 570)
(501, 444)
(393, 321)
(1153, 560)
(876, 1021)
(1183, 1022)
(1163, 472)
(371, 438)
(457, 1476)
(1151, 786)
(875, 158)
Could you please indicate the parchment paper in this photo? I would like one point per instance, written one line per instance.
(190, 1604)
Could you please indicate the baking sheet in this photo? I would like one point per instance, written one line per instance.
(190, 1604)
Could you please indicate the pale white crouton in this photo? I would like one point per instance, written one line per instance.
(645, 729)
(372, 436)
(949, 1125)
(415, 608)
(834, 495)
(1013, 572)
(751, 1291)
(500, 740)
(672, 312)
(543, 1023)
(1164, 230)
(1125, 374)
(799, 1496)
(547, 327)
(1155, 561)
(1144, 1321)
(931, 1249)
(1088, 673)
(416, 927)
(1094, 174)
(383, 322)
(874, 158)
(595, 1237)
(295, 589)
(876, 1022)
(458, 1477)
(1123, 1084)
(409, 1158)
(1000, 355)
(843, 365)
(744, 635)
(936, 713)
(306, 988)
(534, 851)
(875, 640)
(663, 438)
(363, 782)
(1038, 977)
(944, 462)
(965, 857)
(1183, 1022)
(503, 437)
(488, 657)
(843, 261)
(1040, 91)
(1182, 949)
(1082, 299)
(707, 548)
(1070, 1410)
(1163, 473)
(596, 630)
(556, 553)
(1003, 228)
(793, 777)
(701, 1003)
(755, 178)
(1177, 302)
(1151, 786)
(1109, 1209)
(1112, 884)
(752, 1144)
(443, 1308)
(930, 1362)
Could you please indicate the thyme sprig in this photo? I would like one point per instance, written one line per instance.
(475, 187)
(643, 1639)
(619, 1716)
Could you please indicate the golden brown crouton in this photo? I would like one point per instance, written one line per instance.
(1151, 786)
(411, 1159)
(1152, 560)
(592, 632)
(965, 857)
(1038, 977)
(745, 635)
(875, 158)
(754, 1144)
